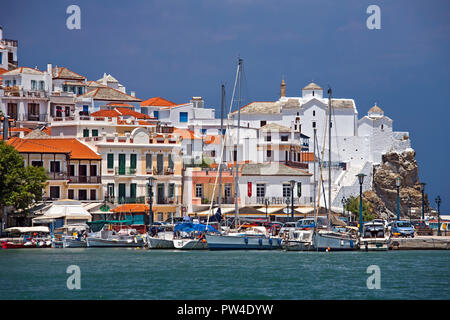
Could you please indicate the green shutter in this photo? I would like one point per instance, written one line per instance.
(94, 132)
(170, 161)
(85, 133)
(110, 160)
(132, 190)
(148, 160)
(133, 161)
(171, 190)
(299, 189)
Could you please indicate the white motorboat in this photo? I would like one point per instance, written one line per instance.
(375, 237)
(112, 238)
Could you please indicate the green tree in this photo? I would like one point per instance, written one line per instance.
(353, 206)
(20, 186)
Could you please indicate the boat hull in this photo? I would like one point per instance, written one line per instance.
(330, 242)
(97, 242)
(224, 242)
(380, 244)
(18, 245)
(158, 243)
(293, 245)
(72, 243)
(190, 244)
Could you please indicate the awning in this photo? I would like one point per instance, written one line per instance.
(213, 211)
(27, 229)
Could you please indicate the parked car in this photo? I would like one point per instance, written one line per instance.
(401, 228)
(422, 229)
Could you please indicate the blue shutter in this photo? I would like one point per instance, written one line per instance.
(183, 117)
(156, 114)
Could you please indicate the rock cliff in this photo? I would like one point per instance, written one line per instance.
(383, 195)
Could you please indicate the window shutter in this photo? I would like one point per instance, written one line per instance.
(110, 160)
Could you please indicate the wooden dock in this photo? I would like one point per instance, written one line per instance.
(420, 243)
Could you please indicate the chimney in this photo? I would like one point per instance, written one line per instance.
(49, 69)
(283, 88)
(197, 102)
(1, 33)
(133, 94)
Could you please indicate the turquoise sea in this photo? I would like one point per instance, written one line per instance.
(122, 273)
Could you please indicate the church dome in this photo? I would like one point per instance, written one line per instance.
(375, 111)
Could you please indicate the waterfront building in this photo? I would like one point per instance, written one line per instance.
(8, 53)
(74, 169)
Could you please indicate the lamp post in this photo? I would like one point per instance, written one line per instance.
(292, 198)
(361, 181)
(150, 194)
(397, 184)
(422, 188)
(266, 202)
(343, 201)
(409, 208)
(438, 202)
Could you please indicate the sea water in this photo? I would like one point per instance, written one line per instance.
(123, 273)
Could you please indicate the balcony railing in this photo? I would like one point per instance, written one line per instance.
(125, 171)
(124, 200)
(37, 117)
(168, 200)
(164, 171)
(85, 179)
(278, 200)
(57, 175)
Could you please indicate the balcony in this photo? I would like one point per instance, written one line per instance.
(85, 179)
(57, 175)
(124, 200)
(125, 171)
(279, 200)
(168, 200)
(37, 117)
(164, 171)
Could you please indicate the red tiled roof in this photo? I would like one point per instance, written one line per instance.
(157, 101)
(119, 111)
(72, 146)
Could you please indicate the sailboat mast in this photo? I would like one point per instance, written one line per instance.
(314, 161)
(236, 186)
(329, 155)
(222, 109)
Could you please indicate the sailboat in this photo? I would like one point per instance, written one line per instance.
(327, 239)
(240, 238)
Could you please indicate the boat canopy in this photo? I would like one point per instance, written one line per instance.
(98, 225)
(190, 227)
(27, 229)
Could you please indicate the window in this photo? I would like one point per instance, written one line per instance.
(171, 192)
(263, 123)
(183, 117)
(204, 131)
(160, 163)
(313, 93)
(382, 127)
(7, 83)
(156, 114)
(85, 133)
(54, 192)
(33, 85)
(260, 190)
(95, 132)
(299, 189)
(133, 161)
(36, 163)
(93, 170)
(286, 190)
(14, 82)
(314, 124)
(148, 161)
(132, 190)
(269, 153)
(71, 170)
(110, 161)
(170, 160)
(82, 194)
(199, 191)
(93, 194)
(41, 85)
(268, 138)
(85, 108)
(160, 216)
(284, 138)
(70, 194)
(64, 88)
(1, 58)
(227, 190)
(80, 90)
(110, 189)
(54, 166)
(314, 113)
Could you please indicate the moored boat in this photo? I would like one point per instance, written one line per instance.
(253, 238)
(375, 237)
(27, 237)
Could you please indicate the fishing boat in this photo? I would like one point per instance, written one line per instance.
(252, 238)
(191, 236)
(27, 237)
(113, 234)
(70, 236)
(375, 237)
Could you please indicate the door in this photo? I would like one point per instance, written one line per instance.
(133, 190)
(160, 192)
(82, 173)
(121, 192)
(121, 163)
(160, 163)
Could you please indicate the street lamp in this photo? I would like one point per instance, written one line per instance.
(398, 180)
(292, 198)
(409, 208)
(266, 202)
(438, 202)
(150, 194)
(361, 181)
(422, 188)
(343, 201)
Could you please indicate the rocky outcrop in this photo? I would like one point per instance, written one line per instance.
(383, 196)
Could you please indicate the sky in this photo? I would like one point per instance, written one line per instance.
(178, 49)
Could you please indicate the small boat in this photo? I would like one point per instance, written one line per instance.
(72, 236)
(191, 236)
(27, 237)
(190, 244)
(161, 238)
(252, 238)
(375, 236)
(109, 237)
(328, 240)
(299, 240)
